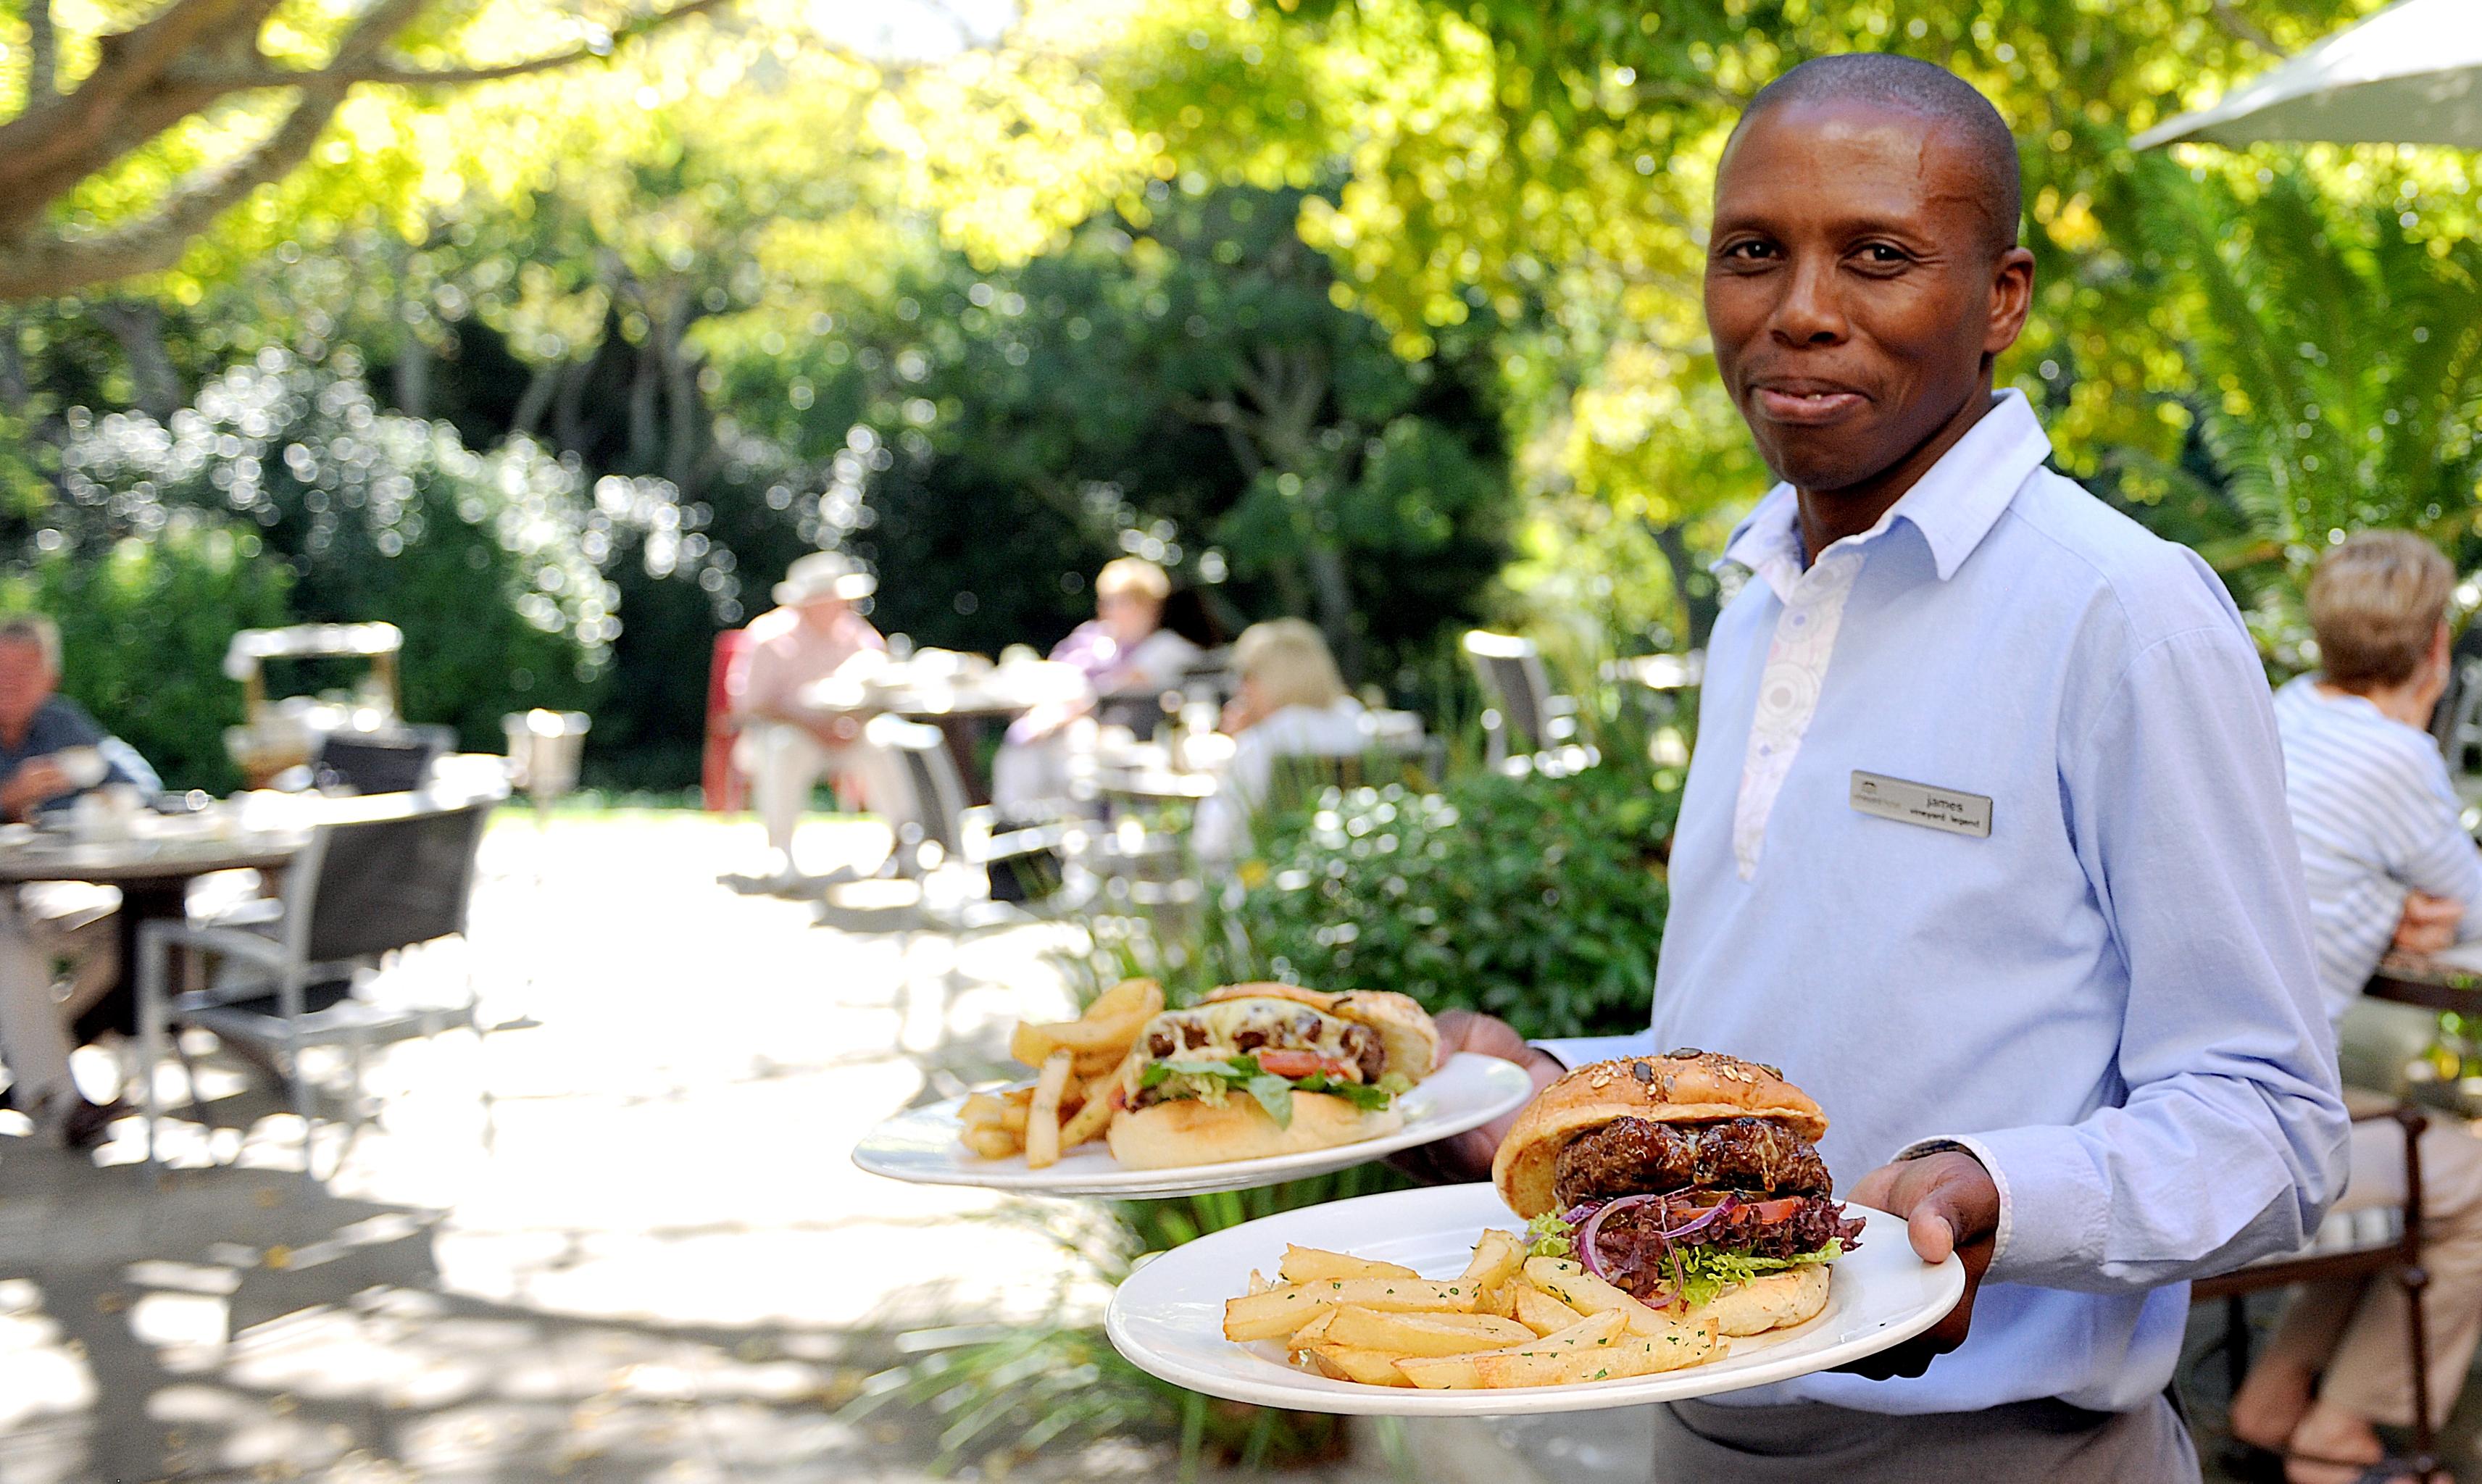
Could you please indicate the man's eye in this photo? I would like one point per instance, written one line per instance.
(1883, 253)
(1750, 250)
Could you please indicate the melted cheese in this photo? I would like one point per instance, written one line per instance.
(1225, 1020)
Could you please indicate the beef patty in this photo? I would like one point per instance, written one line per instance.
(1634, 1157)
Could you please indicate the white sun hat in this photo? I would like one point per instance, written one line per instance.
(824, 574)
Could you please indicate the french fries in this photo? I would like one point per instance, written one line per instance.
(1309, 1264)
(1092, 1052)
(1042, 1115)
(1506, 1321)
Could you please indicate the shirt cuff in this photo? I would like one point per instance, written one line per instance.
(1575, 1051)
(1981, 1151)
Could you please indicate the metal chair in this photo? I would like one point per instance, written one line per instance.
(1520, 717)
(360, 891)
(395, 761)
(2457, 723)
(937, 824)
(2349, 1244)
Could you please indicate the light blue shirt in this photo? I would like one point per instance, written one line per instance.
(2109, 999)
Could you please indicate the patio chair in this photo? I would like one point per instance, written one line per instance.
(934, 824)
(358, 893)
(2348, 1244)
(721, 789)
(397, 761)
(1520, 717)
(2457, 723)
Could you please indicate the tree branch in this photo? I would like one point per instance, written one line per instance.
(2241, 26)
(42, 53)
(381, 69)
(35, 267)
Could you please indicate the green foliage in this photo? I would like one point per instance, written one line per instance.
(488, 561)
(143, 630)
(1540, 900)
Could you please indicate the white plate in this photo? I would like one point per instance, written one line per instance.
(920, 1144)
(1169, 1316)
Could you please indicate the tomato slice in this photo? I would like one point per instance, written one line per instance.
(1769, 1212)
(1288, 1064)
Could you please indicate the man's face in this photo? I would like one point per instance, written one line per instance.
(26, 682)
(1851, 289)
(1129, 616)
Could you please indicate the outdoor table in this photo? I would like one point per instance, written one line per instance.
(2416, 979)
(1148, 771)
(154, 876)
(961, 700)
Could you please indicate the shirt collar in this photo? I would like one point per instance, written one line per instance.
(1954, 505)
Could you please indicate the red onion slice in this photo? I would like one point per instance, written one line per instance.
(1712, 1214)
(1586, 1252)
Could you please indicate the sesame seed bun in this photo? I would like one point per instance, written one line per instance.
(1680, 1087)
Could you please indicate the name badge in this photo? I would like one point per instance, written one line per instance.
(1909, 803)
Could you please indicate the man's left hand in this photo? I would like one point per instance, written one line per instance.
(1951, 1203)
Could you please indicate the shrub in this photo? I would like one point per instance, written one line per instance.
(144, 625)
(1538, 899)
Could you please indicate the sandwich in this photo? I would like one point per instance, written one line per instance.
(1691, 1179)
(1268, 1069)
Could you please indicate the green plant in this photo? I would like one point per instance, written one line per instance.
(144, 625)
(1538, 899)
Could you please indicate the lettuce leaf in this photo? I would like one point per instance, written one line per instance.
(1549, 1236)
(1699, 1273)
(1212, 1079)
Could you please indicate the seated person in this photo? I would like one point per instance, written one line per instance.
(2387, 860)
(1291, 703)
(784, 748)
(1123, 650)
(51, 751)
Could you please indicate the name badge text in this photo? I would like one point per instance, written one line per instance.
(1909, 803)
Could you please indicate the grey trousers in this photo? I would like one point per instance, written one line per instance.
(1700, 1443)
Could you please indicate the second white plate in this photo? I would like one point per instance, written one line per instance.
(1168, 1316)
(920, 1145)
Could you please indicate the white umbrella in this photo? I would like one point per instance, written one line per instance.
(2411, 75)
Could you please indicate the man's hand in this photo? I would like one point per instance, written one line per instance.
(35, 779)
(2429, 923)
(839, 729)
(1466, 1157)
(1950, 1204)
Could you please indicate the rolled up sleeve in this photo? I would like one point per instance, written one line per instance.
(2229, 1144)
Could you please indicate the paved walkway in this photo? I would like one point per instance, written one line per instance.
(650, 1261)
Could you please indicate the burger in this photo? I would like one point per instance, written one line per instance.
(1268, 1069)
(1690, 1179)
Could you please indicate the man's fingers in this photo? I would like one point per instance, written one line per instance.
(1933, 1230)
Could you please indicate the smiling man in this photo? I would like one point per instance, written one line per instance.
(1985, 843)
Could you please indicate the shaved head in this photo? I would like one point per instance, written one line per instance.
(1922, 91)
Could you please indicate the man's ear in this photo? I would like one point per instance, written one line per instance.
(2012, 298)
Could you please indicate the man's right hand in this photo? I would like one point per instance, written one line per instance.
(1466, 1157)
(2429, 923)
(35, 779)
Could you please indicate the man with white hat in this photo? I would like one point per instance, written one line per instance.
(783, 747)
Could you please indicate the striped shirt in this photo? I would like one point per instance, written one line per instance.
(2377, 820)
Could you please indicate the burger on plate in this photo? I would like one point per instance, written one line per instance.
(1689, 1179)
(1268, 1069)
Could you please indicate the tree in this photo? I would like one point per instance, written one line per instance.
(148, 116)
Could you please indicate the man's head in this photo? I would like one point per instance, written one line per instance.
(1129, 595)
(30, 668)
(1862, 270)
(2378, 603)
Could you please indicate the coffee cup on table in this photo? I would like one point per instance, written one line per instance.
(83, 766)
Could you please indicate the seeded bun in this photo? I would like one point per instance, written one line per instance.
(1187, 1131)
(1410, 1040)
(1778, 1301)
(1678, 1087)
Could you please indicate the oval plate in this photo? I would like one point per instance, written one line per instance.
(920, 1145)
(1168, 1318)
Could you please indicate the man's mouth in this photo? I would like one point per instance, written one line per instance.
(1805, 403)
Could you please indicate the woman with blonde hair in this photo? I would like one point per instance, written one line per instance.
(1291, 703)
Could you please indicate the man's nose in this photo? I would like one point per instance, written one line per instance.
(1810, 312)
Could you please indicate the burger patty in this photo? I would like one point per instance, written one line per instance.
(1177, 1033)
(1631, 1251)
(1634, 1157)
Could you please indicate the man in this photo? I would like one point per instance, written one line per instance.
(1984, 843)
(2386, 858)
(50, 752)
(784, 747)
